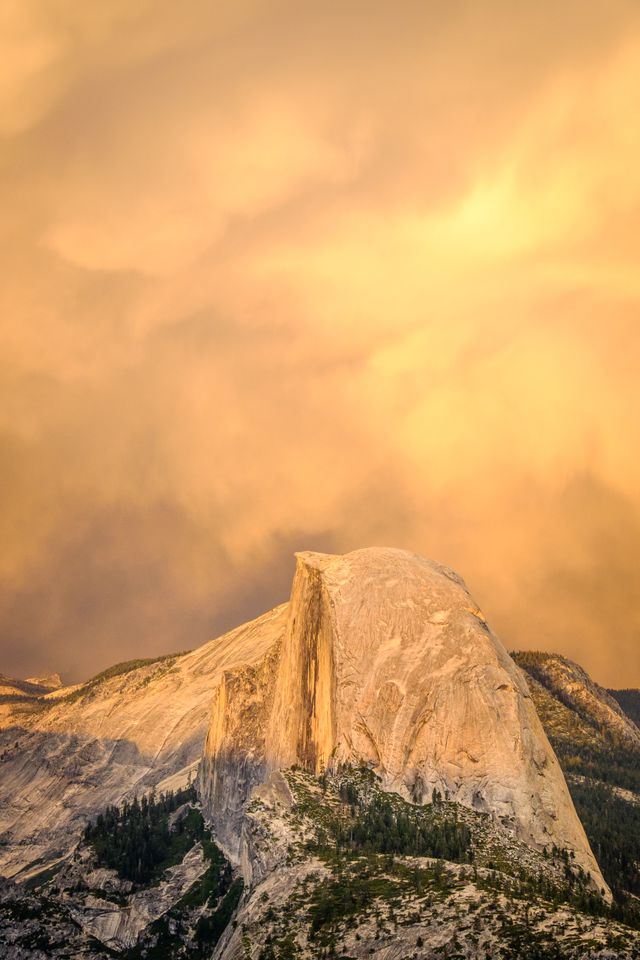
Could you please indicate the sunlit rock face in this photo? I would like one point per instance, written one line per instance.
(379, 657)
(574, 687)
(64, 757)
(387, 660)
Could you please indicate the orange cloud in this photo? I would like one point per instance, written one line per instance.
(279, 277)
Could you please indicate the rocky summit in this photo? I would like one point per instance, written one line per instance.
(386, 660)
(362, 771)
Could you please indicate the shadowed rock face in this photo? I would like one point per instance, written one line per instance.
(65, 757)
(234, 760)
(387, 660)
(379, 657)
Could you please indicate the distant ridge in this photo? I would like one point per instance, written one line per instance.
(629, 700)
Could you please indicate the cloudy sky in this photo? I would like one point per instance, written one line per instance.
(282, 276)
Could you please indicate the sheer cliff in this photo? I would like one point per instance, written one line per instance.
(367, 752)
(67, 755)
(386, 660)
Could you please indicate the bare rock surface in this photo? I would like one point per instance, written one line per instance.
(312, 904)
(118, 926)
(387, 660)
(66, 756)
(28, 689)
(381, 661)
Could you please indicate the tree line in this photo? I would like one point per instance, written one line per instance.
(136, 839)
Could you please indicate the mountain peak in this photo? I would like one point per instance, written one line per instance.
(375, 559)
(571, 684)
(386, 660)
(52, 681)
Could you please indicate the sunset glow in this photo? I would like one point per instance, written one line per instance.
(284, 276)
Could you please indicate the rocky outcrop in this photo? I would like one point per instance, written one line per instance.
(305, 900)
(66, 756)
(118, 925)
(380, 657)
(51, 681)
(573, 687)
(386, 660)
(234, 760)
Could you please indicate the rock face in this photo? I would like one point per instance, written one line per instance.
(67, 755)
(380, 657)
(572, 686)
(119, 926)
(385, 659)
(300, 894)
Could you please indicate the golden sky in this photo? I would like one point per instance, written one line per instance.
(283, 276)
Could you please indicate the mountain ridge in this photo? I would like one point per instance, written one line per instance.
(66, 757)
(371, 734)
(386, 659)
